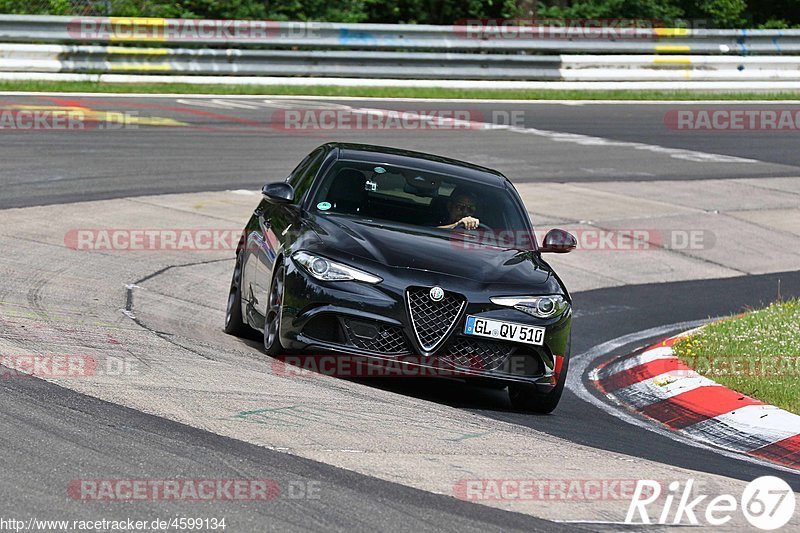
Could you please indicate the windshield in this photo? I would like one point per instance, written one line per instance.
(416, 197)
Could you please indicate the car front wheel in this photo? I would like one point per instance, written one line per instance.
(234, 325)
(272, 323)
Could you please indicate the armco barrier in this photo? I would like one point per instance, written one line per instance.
(246, 34)
(392, 65)
(126, 46)
(332, 63)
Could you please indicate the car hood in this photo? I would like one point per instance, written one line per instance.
(429, 249)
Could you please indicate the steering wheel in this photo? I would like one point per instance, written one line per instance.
(481, 226)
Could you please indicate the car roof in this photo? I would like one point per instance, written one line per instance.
(409, 158)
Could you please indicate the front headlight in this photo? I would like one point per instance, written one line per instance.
(326, 270)
(538, 306)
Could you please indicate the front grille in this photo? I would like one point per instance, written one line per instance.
(376, 337)
(477, 355)
(432, 321)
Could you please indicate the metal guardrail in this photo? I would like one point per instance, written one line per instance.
(391, 65)
(267, 34)
(112, 46)
(236, 62)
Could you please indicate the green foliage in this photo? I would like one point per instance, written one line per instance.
(705, 13)
(438, 11)
(334, 10)
(777, 24)
(725, 13)
(757, 354)
(774, 24)
(17, 7)
(659, 10)
(60, 7)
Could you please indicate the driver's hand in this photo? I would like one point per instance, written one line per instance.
(469, 222)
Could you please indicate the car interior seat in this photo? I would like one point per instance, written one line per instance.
(438, 209)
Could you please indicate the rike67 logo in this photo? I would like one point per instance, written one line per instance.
(768, 503)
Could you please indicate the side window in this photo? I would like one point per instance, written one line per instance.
(302, 177)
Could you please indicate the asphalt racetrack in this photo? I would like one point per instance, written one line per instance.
(190, 162)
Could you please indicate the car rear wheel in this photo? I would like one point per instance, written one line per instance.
(527, 398)
(272, 323)
(234, 325)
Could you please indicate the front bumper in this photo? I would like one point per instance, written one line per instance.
(374, 322)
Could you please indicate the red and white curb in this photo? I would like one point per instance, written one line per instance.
(657, 385)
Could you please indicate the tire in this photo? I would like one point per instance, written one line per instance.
(234, 324)
(272, 321)
(526, 398)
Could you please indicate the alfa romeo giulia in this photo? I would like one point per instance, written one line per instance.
(395, 255)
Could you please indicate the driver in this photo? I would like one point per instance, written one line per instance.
(461, 205)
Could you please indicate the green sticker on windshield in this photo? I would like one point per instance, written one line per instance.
(324, 206)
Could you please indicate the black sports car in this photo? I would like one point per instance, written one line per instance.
(404, 256)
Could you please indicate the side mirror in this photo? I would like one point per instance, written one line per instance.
(280, 192)
(558, 241)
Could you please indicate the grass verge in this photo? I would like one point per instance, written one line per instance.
(757, 354)
(384, 92)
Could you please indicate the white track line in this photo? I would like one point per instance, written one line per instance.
(386, 99)
(577, 138)
(267, 81)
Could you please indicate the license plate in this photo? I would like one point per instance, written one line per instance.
(506, 331)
